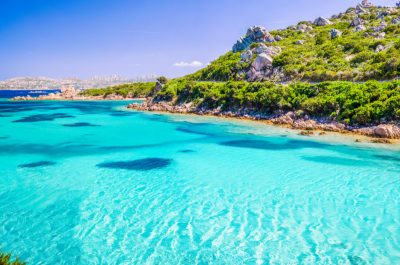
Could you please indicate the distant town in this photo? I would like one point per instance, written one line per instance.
(45, 83)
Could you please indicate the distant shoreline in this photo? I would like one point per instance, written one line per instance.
(76, 99)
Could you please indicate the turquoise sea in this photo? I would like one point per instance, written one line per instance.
(93, 183)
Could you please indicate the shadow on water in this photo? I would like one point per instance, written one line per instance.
(186, 151)
(334, 160)
(268, 145)
(195, 128)
(69, 149)
(388, 158)
(81, 124)
(193, 131)
(123, 113)
(38, 164)
(44, 117)
(140, 164)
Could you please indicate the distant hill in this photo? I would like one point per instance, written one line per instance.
(360, 44)
(45, 83)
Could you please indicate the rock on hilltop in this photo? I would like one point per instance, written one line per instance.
(254, 34)
(342, 47)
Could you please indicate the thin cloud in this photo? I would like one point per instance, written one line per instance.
(187, 64)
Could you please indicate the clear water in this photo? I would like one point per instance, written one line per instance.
(91, 183)
(24, 93)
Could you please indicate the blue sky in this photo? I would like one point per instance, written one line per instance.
(83, 38)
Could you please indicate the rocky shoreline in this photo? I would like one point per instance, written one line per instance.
(383, 133)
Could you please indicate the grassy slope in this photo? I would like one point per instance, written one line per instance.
(337, 63)
(350, 57)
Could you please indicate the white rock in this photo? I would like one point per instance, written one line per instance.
(262, 61)
(360, 28)
(269, 50)
(247, 55)
(321, 21)
(379, 48)
(356, 22)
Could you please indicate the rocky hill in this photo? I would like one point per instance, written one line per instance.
(360, 44)
(323, 74)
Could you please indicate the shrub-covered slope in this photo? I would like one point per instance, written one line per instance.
(360, 44)
(126, 90)
(351, 103)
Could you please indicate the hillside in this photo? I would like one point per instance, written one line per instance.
(336, 74)
(360, 44)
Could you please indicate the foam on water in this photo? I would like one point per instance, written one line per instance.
(120, 187)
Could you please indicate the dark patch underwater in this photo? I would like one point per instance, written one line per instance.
(37, 164)
(139, 165)
(186, 151)
(334, 160)
(81, 124)
(267, 145)
(44, 117)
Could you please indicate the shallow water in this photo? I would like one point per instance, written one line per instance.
(91, 183)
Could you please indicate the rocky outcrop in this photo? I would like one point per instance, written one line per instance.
(254, 34)
(387, 131)
(321, 21)
(299, 42)
(335, 33)
(359, 28)
(379, 28)
(261, 68)
(262, 61)
(366, 4)
(246, 55)
(357, 21)
(304, 28)
(379, 48)
(269, 50)
(396, 21)
(360, 9)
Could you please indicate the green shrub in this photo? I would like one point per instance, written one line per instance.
(133, 90)
(352, 103)
(5, 259)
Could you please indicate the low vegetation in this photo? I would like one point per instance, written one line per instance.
(5, 259)
(348, 102)
(353, 56)
(133, 90)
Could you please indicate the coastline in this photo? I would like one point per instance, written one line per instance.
(78, 99)
(57, 97)
(381, 134)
